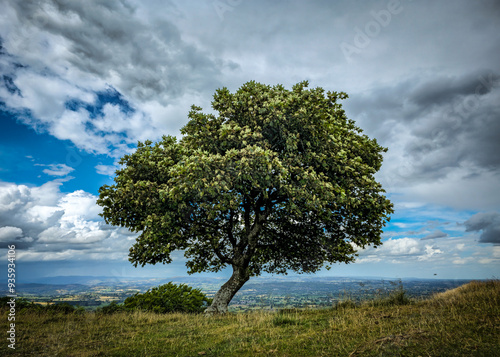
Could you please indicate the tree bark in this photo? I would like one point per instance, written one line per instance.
(227, 291)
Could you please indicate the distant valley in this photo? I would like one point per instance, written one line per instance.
(259, 293)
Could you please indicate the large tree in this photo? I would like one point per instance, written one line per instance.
(278, 180)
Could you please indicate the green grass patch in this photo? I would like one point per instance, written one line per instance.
(461, 322)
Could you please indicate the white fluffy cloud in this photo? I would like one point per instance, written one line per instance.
(408, 250)
(393, 249)
(46, 224)
(430, 251)
(10, 233)
(106, 170)
(56, 169)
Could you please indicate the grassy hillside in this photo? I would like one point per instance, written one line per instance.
(460, 322)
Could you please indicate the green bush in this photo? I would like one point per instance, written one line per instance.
(283, 320)
(63, 308)
(169, 298)
(111, 308)
(346, 304)
(396, 297)
(399, 297)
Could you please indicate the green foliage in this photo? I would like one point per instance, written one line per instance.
(63, 308)
(399, 297)
(167, 298)
(395, 297)
(112, 308)
(344, 304)
(279, 179)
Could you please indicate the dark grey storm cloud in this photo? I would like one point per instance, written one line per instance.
(442, 123)
(444, 90)
(107, 38)
(488, 224)
(464, 120)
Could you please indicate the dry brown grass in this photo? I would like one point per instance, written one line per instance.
(488, 290)
(460, 322)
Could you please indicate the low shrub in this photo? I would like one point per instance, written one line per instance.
(346, 304)
(169, 298)
(396, 297)
(111, 308)
(63, 308)
(163, 299)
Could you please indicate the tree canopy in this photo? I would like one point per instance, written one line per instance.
(278, 180)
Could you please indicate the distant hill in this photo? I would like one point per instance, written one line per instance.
(42, 289)
(96, 280)
(81, 279)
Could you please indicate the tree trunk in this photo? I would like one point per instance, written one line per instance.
(227, 291)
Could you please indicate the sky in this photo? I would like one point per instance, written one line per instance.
(81, 82)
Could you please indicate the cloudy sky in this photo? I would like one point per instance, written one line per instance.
(82, 81)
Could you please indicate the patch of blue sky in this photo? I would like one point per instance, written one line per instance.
(9, 84)
(25, 153)
(95, 110)
(421, 221)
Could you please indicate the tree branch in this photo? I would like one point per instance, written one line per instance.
(247, 207)
(230, 229)
(222, 257)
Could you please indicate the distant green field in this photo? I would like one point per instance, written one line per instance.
(461, 322)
